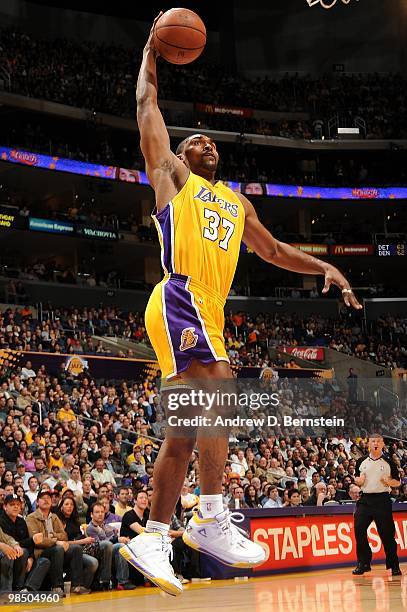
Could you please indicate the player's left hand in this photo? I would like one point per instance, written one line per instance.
(334, 277)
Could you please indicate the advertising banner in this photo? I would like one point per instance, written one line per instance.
(59, 164)
(307, 538)
(109, 367)
(351, 249)
(317, 541)
(311, 353)
(312, 249)
(96, 233)
(71, 229)
(336, 193)
(53, 227)
(10, 219)
(218, 109)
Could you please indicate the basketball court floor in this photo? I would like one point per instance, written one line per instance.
(323, 591)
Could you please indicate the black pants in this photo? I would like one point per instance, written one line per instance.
(186, 560)
(37, 575)
(69, 561)
(375, 507)
(73, 564)
(56, 571)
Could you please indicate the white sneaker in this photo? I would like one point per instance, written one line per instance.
(150, 554)
(219, 538)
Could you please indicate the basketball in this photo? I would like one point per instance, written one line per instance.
(180, 36)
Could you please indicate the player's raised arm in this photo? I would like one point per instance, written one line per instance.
(283, 255)
(165, 171)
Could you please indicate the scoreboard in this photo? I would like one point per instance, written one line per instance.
(391, 250)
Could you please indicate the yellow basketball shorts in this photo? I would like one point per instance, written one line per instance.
(184, 320)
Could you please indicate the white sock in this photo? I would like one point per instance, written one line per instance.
(211, 505)
(156, 526)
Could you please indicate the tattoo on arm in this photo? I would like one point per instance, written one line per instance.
(168, 166)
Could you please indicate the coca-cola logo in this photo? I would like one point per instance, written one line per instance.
(305, 353)
(23, 157)
(309, 353)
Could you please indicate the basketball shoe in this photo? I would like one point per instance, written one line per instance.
(218, 537)
(150, 554)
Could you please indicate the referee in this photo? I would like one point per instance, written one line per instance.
(375, 475)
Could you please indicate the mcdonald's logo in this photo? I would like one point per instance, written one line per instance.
(351, 249)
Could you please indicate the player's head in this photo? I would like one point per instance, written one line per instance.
(198, 152)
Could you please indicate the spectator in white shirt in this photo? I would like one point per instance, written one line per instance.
(32, 490)
(101, 474)
(20, 467)
(274, 500)
(27, 372)
(55, 477)
(239, 463)
(75, 483)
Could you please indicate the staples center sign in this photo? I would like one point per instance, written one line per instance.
(311, 353)
(316, 541)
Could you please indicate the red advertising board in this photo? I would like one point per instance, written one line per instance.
(311, 353)
(218, 109)
(351, 249)
(317, 541)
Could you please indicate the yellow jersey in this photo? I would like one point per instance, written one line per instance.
(200, 233)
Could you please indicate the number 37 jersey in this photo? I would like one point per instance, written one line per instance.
(200, 232)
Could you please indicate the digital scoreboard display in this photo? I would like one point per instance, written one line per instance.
(391, 250)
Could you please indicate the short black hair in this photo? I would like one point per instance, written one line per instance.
(291, 492)
(181, 146)
(137, 493)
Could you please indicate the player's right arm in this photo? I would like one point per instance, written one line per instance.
(166, 173)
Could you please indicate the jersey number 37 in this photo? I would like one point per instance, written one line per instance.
(212, 231)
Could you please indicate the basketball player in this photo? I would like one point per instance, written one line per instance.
(201, 224)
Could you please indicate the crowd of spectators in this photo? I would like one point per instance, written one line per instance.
(77, 472)
(241, 161)
(50, 271)
(78, 211)
(69, 330)
(102, 78)
(249, 339)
